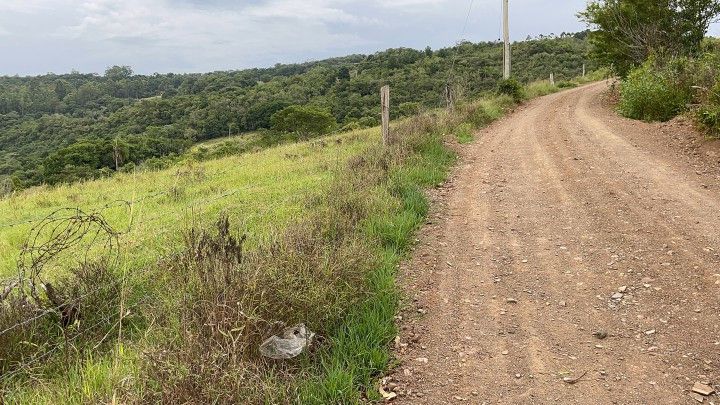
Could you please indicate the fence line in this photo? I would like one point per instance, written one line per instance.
(112, 204)
(55, 309)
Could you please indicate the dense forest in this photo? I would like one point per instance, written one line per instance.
(61, 128)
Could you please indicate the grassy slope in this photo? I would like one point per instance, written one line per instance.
(268, 189)
(261, 190)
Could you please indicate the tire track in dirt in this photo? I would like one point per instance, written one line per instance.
(550, 212)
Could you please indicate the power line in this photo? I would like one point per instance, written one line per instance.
(451, 79)
(467, 19)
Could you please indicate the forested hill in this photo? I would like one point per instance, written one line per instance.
(60, 128)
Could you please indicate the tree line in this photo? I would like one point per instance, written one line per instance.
(68, 127)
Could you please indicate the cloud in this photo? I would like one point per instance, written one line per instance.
(408, 5)
(204, 35)
(25, 6)
(317, 11)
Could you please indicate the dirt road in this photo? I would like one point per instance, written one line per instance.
(563, 223)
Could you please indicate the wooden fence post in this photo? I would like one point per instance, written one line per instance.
(449, 97)
(385, 104)
(552, 79)
(583, 70)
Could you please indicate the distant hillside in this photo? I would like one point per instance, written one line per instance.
(61, 128)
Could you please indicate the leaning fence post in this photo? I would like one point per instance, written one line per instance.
(385, 105)
(449, 97)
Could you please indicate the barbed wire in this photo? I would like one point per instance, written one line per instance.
(114, 203)
(70, 226)
(22, 368)
(52, 310)
(56, 309)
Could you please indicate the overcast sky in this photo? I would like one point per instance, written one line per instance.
(40, 36)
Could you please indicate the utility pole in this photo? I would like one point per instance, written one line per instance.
(506, 37)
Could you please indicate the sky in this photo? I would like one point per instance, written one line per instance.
(182, 36)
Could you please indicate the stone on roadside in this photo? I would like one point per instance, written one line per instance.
(600, 334)
(703, 389)
(697, 397)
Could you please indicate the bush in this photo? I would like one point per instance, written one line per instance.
(512, 88)
(566, 84)
(351, 126)
(304, 121)
(709, 117)
(408, 109)
(655, 92)
(368, 122)
(6, 187)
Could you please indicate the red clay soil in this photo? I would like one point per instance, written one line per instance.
(573, 258)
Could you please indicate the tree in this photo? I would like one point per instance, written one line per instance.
(626, 32)
(344, 73)
(304, 121)
(693, 20)
(117, 73)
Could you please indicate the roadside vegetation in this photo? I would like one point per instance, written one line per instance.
(213, 256)
(659, 49)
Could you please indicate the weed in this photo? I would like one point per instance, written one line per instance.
(464, 134)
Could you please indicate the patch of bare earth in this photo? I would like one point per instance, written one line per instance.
(574, 258)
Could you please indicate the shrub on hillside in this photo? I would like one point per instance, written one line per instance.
(565, 84)
(708, 114)
(303, 121)
(351, 126)
(709, 117)
(657, 91)
(512, 88)
(408, 109)
(368, 122)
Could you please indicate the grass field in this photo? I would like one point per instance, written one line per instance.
(327, 222)
(262, 191)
